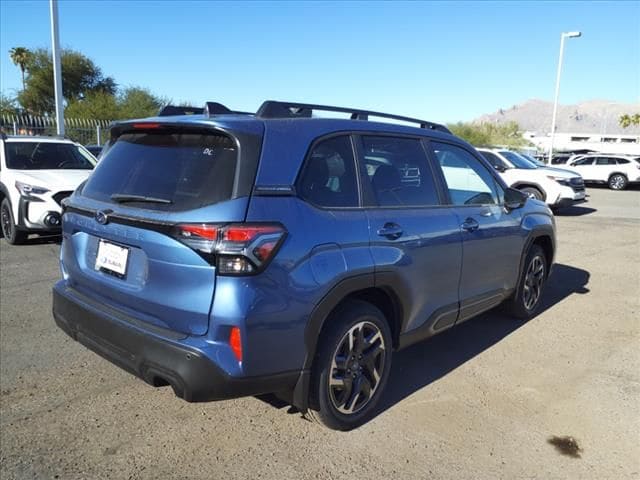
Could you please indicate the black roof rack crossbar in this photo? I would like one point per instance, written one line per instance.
(275, 109)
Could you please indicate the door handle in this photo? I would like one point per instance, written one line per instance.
(392, 231)
(470, 225)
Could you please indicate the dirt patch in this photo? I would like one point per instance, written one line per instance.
(566, 446)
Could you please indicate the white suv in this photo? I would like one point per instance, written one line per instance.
(557, 187)
(36, 174)
(617, 171)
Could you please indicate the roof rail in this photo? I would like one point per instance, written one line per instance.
(275, 109)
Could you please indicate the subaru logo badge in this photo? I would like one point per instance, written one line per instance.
(102, 217)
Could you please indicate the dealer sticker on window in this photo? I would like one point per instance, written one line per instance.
(112, 258)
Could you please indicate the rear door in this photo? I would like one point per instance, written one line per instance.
(121, 244)
(585, 167)
(604, 167)
(491, 240)
(415, 240)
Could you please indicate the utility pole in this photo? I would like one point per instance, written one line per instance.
(57, 67)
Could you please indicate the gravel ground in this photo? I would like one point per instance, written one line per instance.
(489, 399)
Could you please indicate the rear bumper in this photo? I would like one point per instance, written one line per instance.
(192, 375)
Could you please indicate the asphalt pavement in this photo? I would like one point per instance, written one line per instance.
(554, 398)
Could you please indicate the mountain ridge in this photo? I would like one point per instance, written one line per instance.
(596, 116)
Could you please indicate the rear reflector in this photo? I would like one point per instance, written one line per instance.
(236, 343)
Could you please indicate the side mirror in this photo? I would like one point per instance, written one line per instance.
(514, 198)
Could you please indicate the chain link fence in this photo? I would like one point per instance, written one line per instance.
(82, 130)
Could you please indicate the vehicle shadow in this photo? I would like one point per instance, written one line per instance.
(575, 211)
(422, 364)
(40, 240)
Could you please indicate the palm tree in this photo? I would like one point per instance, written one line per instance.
(20, 57)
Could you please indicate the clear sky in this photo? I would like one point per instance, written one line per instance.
(443, 61)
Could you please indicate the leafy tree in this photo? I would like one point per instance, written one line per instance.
(489, 134)
(137, 102)
(20, 57)
(626, 121)
(133, 102)
(80, 77)
(95, 105)
(8, 105)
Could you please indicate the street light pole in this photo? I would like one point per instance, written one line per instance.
(555, 102)
(57, 68)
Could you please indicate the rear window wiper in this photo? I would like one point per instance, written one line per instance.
(126, 197)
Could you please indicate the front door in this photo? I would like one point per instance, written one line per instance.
(491, 238)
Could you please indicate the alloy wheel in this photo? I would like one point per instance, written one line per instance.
(356, 368)
(533, 281)
(617, 182)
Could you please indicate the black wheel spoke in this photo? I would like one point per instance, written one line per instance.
(533, 280)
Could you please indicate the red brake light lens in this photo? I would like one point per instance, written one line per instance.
(146, 125)
(246, 233)
(209, 232)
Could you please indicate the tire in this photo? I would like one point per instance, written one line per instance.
(8, 225)
(332, 380)
(533, 193)
(618, 181)
(532, 281)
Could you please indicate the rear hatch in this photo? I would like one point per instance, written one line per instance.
(124, 242)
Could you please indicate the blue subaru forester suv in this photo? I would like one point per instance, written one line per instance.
(229, 254)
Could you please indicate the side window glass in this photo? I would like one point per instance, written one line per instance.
(605, 161)
(586, 161)
(328, 178)
(494, 160)
(398, 172)
(468, 181)
(622, 161)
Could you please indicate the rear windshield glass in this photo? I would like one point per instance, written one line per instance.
(166, 171)
(47, 156)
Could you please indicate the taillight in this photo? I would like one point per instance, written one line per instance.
(236, 249)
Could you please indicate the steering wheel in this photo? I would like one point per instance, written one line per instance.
(64, 163)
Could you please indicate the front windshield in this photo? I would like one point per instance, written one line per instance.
(533, 160)
(47, 156)
(517, 161)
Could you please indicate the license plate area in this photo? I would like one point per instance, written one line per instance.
(112, 259)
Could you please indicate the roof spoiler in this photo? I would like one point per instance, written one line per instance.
(275, 109)
(170, 110)
(210, 108)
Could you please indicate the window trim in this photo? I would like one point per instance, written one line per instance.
(307, 157)
(501, 186)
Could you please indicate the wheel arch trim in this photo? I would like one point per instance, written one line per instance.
(338, 293)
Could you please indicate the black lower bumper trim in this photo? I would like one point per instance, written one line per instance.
(193, 377)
